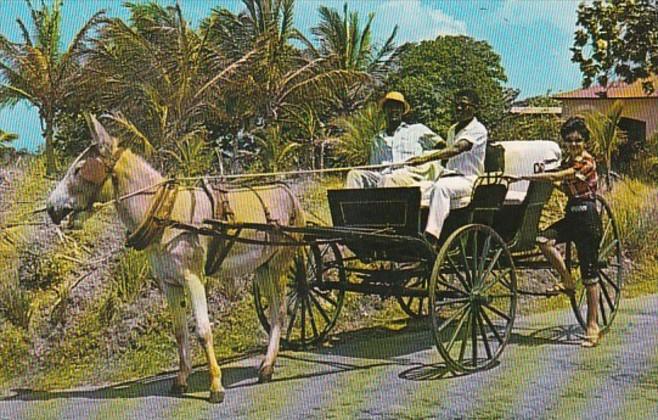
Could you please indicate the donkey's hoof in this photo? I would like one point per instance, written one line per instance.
(216, 397)
(178, 389)
(265, 374)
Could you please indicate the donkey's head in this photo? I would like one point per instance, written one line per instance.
(82, 185)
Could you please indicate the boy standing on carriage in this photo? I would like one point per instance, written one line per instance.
(581, 223)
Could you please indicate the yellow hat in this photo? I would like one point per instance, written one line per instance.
(397, 97)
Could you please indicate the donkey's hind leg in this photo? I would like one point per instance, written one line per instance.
(271, 280)
(176, 301)
(204, 334)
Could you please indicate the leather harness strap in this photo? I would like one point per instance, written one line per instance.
(152, 226)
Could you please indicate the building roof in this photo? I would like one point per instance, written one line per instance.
(536, 110)
(615, 90)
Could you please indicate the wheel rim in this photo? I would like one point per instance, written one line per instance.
(473, 298)
(311, 308)
(610, 273)
(415, 306)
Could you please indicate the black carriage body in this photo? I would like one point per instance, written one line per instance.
(390, 215)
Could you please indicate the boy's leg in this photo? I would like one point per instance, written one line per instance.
(555, 259)
(558, 232)
(592, 328)
(588, 255)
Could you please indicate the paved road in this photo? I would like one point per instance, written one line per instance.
(385, 374)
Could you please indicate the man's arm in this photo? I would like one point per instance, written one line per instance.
(451, 151)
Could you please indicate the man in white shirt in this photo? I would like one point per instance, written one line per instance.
(399, 142)
(467, 142)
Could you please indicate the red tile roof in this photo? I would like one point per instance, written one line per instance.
(615, 90)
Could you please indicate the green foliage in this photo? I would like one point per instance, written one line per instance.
(43, 271)
(6, 138)
(633, 204)
(350, 46)
(275, 153)
(23, 66)
(130, 276)
(645, 164)
(192, 154)
(15, 302)
(617, 38)
(431, 72)
(14, 347)
(359, 130)
(605, 135)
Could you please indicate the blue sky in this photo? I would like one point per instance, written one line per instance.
(532, 36)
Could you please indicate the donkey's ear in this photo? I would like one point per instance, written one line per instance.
(106, 143)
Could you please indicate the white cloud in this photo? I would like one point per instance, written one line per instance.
(417, 21)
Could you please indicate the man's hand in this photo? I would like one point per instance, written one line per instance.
(416, 160)
(430, 141)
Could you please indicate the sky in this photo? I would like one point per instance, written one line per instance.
(532, 37)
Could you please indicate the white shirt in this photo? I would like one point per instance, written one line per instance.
(469, 163)
(403, 144)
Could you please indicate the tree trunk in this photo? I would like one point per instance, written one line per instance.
(50, 152)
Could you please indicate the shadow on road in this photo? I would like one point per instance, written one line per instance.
(363, 349)
(146, 387)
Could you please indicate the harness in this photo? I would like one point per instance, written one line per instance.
(152, 226)
(97, 169)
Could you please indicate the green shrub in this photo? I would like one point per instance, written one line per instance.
(130, 275)
(15, 302)
(359, 130)
(42, 271)
(633, 205)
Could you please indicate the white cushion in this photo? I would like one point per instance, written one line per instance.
(520, 159)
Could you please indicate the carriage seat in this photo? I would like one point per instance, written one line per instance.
(522, 157)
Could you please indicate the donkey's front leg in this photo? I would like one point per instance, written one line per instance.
(204, 334)
(176, 301)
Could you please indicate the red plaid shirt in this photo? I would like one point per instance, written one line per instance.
(583, 184)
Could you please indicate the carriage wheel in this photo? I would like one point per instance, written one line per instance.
(312, 304)
(414, 306)
(610, 271)
(473, 298)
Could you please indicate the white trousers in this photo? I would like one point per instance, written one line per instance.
(361, 178)
(442, 192)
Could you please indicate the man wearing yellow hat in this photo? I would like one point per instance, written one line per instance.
(397, 144)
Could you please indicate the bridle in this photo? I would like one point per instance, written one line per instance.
(98, 169)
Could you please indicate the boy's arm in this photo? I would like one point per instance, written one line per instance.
(551, 176)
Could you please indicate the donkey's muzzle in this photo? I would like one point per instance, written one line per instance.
(57, 215)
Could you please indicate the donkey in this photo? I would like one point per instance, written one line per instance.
(177, 256)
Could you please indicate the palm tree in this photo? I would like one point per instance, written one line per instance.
(281, 75)
(605, 135)
(359, 130)
(276, 152)
(161, 79)
(351, 48)
(36, 70)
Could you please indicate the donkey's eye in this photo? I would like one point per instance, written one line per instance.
(77, 170)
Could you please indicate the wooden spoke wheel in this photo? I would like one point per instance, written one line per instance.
(473, 298)
(312, 305)
(416, 306)
(610, 273)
